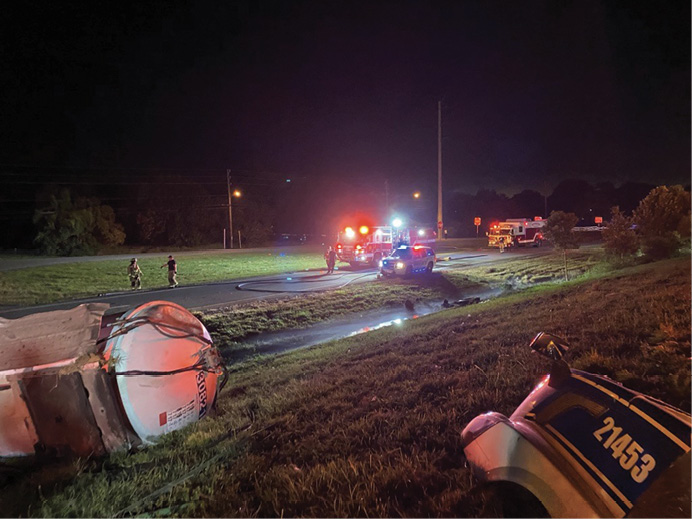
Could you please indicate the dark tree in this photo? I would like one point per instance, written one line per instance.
(619, 239)
(559, 231)
(663, 220)
(67, 227)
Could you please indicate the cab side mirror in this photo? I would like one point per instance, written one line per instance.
(550, 346)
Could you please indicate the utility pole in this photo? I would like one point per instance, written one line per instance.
(230, 208)
(440, 225)
(386, 199)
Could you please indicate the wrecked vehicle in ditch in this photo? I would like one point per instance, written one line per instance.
(94, 380)
(586, 446)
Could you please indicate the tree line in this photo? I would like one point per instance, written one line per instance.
(175, 211)
(657, 228)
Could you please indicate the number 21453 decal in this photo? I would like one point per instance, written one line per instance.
(628, 451)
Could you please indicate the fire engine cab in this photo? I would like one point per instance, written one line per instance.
(517, 232)
(367, 246)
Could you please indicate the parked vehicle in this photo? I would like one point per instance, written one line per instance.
(369, 245)
(516, 232)
(586, 446)
(406, 260)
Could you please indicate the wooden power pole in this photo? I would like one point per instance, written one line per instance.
(440, 224)
(230, 208)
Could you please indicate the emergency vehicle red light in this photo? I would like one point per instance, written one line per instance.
(338, 245)
(364, 229)
(417, 246)
(359, 247)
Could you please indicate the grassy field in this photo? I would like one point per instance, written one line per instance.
(370, 426)
(230, 325)
(72, 280)
(46, 284)
(526, 271)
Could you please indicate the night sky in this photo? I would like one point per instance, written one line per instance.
(532, 92)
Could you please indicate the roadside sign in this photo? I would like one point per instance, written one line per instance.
(477, 221)
(598, 219)
(439, 224)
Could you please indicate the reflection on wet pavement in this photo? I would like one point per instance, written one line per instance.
(356, 324)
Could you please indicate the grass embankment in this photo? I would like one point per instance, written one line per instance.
(370, 426)
(72, 280)
(47, 284)
(231, 324)
(526, 271)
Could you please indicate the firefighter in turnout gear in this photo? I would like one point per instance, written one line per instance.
(172, 272)
(330, 258)
(135, 274)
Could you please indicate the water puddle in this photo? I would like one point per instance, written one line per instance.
(348, 326)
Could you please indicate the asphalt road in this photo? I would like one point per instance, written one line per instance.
(229, 292)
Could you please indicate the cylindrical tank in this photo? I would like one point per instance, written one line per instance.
(165, 367)
(88, 381)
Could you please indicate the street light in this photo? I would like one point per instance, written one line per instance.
(416, 195)
(236, 193)
(397, 222)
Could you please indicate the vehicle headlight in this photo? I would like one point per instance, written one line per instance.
(380, 264)
(399, 265)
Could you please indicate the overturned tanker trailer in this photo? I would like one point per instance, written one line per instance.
(90, 380)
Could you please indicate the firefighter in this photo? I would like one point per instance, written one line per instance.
(502, 243)
(330, 258)
(172, 271)
(135, 274)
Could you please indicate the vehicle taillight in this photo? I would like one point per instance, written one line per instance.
(338, 246)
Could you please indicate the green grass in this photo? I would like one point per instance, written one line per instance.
(38, 285)
(370, 426)
(72, 280)
(230, 325)
(526, 271)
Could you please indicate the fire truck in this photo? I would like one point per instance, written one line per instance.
(517, 232)
(367, 246)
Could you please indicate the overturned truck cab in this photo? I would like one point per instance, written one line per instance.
(90, 380)
(586, 446)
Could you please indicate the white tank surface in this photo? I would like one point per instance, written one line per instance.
(165, 367)
(90, 380)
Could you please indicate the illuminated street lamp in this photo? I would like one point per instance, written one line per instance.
(397, 222)
(416, 195)
(235, 193)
